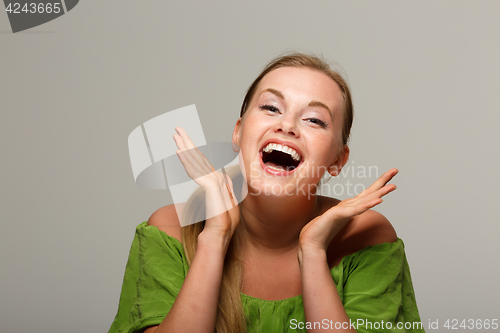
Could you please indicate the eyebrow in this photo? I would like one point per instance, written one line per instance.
(316, 103)
(275, 92)
(312, 103)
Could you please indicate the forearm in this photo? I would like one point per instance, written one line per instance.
(322, 302)
(195, 308)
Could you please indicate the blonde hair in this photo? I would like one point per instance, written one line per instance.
(230, 312)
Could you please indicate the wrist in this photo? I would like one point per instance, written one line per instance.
(311, 255)
(213, 241)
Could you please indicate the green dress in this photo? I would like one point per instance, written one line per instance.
(374, 285)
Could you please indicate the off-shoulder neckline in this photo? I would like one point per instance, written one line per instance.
(336, 267)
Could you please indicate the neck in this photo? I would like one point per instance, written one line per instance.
(273, 224)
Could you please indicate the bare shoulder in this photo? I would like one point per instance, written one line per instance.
(167, 220)
(369, 228)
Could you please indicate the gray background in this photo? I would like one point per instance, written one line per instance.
(425, 77)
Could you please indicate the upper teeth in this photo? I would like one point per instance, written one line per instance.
(276, 146)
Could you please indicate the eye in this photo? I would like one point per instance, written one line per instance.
(270, 108)
(317, 121)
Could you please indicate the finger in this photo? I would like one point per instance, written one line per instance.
(377, 195)
(384, 179)
(198, 163)
(380, 183)
(186, 157)
(187, 140)
(193, 163)
(372, 203)
(348, 211)
(358, 204)
(382, 191)
(230, 190)
(184, 143)
(362, 201)
(192, 168)
(193, 156)
(179, 142)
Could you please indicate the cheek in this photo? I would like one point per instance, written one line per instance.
(325, 150)
(248, 126)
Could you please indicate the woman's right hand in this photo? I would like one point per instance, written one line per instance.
(222, 209)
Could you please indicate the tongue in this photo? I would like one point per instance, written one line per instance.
(275, 165)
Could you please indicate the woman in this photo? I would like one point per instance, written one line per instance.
(285, 259)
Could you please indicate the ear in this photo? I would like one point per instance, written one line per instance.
(236, 136)
(339, 163)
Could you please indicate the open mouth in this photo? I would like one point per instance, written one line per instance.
(280, 157)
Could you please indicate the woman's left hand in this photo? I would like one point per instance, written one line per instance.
(319, 232)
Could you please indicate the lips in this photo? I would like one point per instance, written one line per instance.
(280, 157)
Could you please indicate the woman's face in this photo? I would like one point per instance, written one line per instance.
(291, 132)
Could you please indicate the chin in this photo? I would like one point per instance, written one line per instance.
(278, 187)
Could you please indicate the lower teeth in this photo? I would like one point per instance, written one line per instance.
(279, 169)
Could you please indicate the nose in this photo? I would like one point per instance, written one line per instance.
(287, 124)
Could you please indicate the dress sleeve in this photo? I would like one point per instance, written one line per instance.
(154, 274)
(376, 288)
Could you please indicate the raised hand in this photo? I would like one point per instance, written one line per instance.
(319, 232)
(221, 207)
